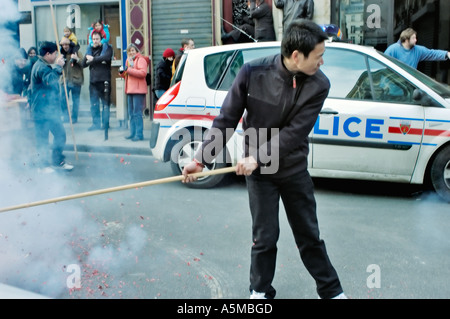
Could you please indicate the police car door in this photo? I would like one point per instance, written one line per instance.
(370, 126)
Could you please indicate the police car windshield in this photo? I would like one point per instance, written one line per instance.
(437, 87)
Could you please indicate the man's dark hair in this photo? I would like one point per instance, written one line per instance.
(47, 47)
(96, 32)
(302, 35)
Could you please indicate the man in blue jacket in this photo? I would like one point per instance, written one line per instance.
(279, 98)
(407, 50)
(46, 110)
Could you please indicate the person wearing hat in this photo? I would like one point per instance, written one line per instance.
(136, 89)
(164, 73)
(46, 110)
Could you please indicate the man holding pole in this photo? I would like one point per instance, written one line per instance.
(46, 110)
(279, 98)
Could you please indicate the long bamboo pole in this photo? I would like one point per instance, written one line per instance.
(64, 82)
(118, 188)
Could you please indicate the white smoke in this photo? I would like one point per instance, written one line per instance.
(37, 245)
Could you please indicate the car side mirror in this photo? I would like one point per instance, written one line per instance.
(422, 98)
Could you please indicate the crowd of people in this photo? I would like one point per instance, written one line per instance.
(49, 76)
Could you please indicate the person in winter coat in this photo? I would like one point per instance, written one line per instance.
(46, 109)
(20, 70)
(164, 72)
(295, 9)
(261, 14)
(103, 29)
(68, 34)
(74, 79)
(99, 64)
(136, 89)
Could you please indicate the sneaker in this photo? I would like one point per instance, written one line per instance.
(340, 296)
(65, 166)
(46, 170)
(258, 295)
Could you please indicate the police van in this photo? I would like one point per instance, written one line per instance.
(382, 120)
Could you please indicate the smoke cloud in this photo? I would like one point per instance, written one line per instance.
(39, 245)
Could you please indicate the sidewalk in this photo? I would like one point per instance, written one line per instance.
(94, 141)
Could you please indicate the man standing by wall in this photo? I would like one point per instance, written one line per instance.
(45, 108)
(99, 82)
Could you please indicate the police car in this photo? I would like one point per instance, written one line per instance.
(382, 120)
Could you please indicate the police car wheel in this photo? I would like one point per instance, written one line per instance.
(440, 174)
(183, 153)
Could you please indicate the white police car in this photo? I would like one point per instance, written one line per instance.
(382, 120)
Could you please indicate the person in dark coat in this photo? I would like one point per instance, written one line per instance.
(74, 79)
(164, 72)
(261, 14)
(282, 94)
(45, 108)
(243, 33)
(295, 9)
(19, 73)
(99, 63)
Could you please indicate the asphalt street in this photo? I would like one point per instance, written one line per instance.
(386, 241)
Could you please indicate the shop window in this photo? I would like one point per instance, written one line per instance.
(365, 22)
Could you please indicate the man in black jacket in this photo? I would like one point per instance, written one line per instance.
(45, 108)
(295, 9)
(280, 98)
(99, 82)
(261, 13)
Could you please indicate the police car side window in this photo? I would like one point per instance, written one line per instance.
(242, 57)
(215, 66)
(232, 72)
(348, 74)
(389, 86)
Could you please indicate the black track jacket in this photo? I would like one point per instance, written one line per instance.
(263, 93)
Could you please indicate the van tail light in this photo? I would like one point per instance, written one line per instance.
(167, 97)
